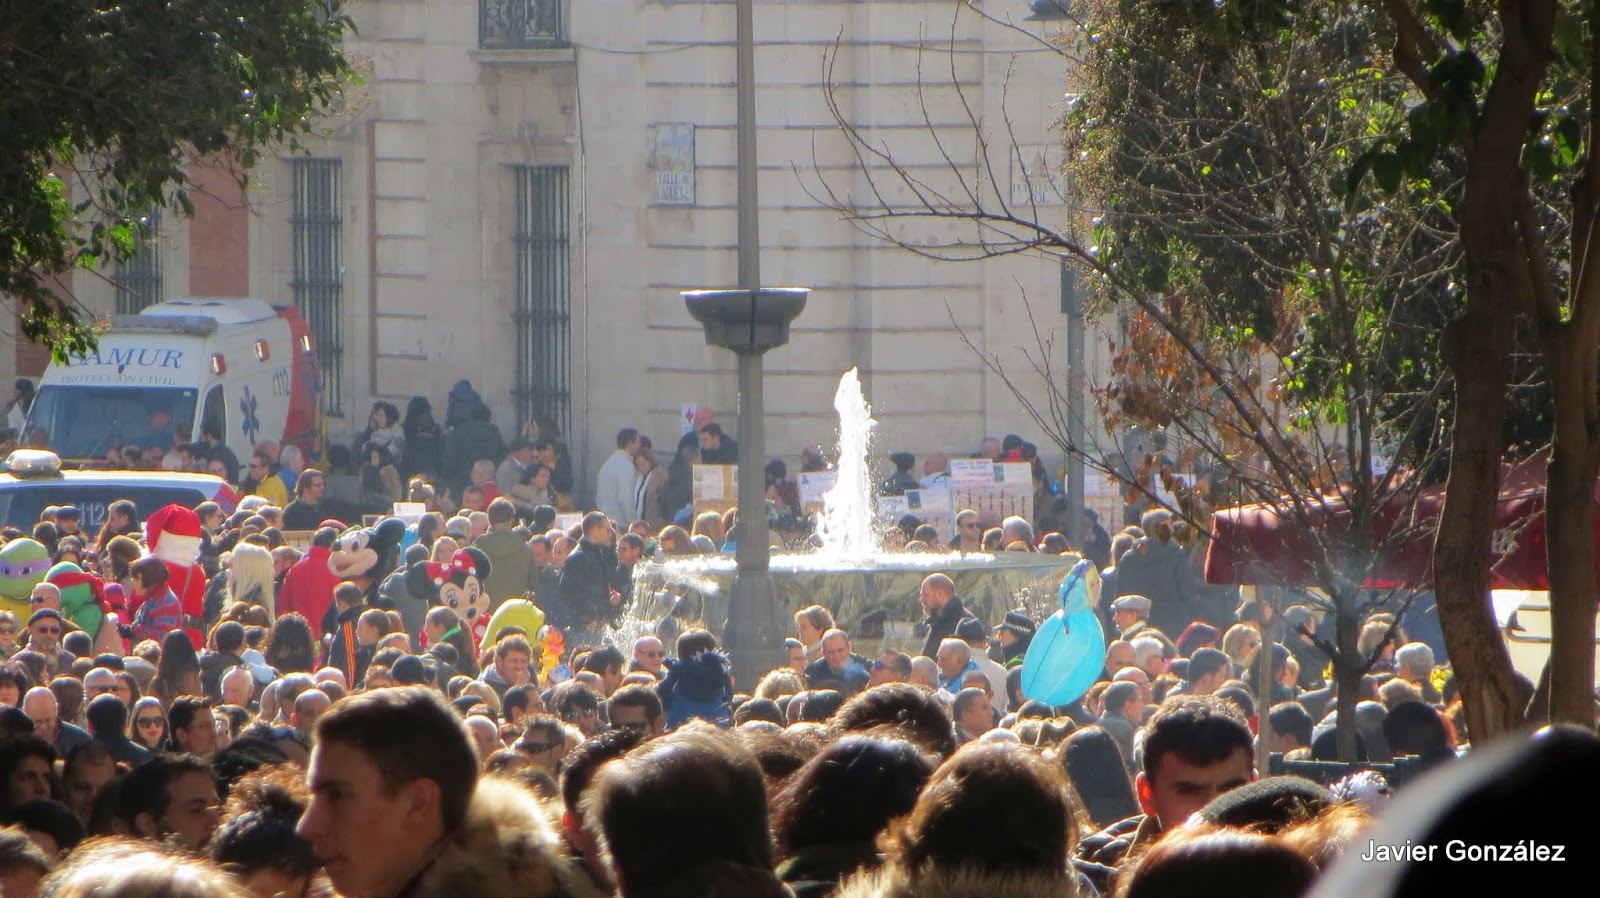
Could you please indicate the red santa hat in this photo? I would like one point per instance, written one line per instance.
(173, 534)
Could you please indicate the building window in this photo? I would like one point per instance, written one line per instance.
(543, 312)
(138, 277)
(521, 24)
(319, 268)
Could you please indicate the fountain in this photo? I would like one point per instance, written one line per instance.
(871, 592)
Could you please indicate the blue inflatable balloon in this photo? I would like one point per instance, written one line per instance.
(1068, 651)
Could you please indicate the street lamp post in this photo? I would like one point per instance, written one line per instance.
(749, 321)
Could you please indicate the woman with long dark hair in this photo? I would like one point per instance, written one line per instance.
(424, 440)
(290, 647)
(179, 670)
(122, 519)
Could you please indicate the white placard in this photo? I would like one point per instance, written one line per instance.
(410, 512)
(972, 472)
(813, 484)
(708, 483)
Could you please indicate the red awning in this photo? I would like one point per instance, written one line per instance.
(1266, 544)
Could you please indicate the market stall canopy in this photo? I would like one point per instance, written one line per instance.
(1269, 544)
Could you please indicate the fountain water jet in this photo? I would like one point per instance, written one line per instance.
(871, 592)
(845, 525)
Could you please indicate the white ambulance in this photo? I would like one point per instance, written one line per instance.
(239, 368)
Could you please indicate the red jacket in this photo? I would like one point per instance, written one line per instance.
(308, 588)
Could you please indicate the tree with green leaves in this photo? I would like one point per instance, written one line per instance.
(104, 108)
(1228, 147)
(1509, 89)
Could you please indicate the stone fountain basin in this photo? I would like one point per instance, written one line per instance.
(874, 600)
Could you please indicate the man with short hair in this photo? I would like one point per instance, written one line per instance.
(392, 777)
(229, 640)
(544, 742)
(39, 703)
(1124, 711)
(1292, 727)
(969, 532)
(1148, 656)
(84, 772)
(943, 609)
(973, 714)
(1413, 663)
(935, 470)
(519, 702)
(510, 558)
(716, 447)
(191, 727)
(838, 665)
(954, 658)
(1139, 678)
(891, 667)
(977, 638)
(107, 717)
(649, 654)
(607, 663)
(238, 688)
(306, 511)
(577, 706)
(1195, 748)
(630, 549)
(509, 476)
(637, 708)
(1208, 670)
(308, 587)
(512, 657)
(590, 592)
(613, 491)
(1119, 654)
(170, 798)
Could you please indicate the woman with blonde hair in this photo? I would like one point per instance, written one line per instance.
(1239, 643)
(251, 577)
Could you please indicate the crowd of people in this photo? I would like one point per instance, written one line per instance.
(209, 710)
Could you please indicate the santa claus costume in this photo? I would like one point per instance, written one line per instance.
(173, 535)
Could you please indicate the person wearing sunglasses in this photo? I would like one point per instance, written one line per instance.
(544, 742)
(969, 532)
(637, 708)
(148, 725)
(45, 627)
(8, 636)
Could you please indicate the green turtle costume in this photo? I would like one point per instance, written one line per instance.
(23, 565)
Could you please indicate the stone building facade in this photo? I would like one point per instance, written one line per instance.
(518, 190)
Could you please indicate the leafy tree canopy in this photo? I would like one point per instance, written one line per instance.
(104, 107)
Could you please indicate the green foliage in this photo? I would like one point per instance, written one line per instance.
(102, 109)
(1222, 143)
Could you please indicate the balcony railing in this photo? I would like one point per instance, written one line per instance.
(521, 24)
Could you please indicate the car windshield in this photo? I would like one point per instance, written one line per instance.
(84, 422)
(21, 502)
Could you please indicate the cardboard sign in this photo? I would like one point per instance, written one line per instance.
(812, 485)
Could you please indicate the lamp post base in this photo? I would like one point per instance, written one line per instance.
(754, 635)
